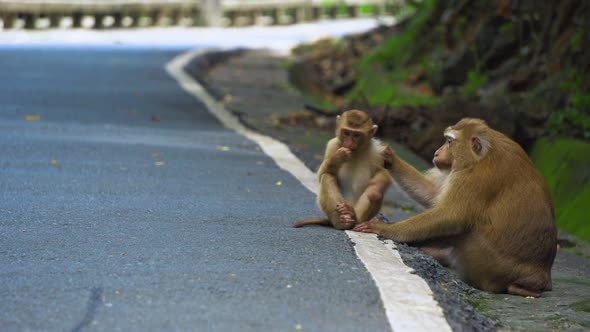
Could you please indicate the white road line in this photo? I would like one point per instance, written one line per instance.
(407, 299)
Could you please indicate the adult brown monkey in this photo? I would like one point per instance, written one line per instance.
(352, 177)
(490, 217)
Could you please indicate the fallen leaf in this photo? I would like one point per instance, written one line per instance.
(257, 148)
(53, 162)
(530, 297)
(155, 155)
(159, 163)
(132, 111)
(279, 183)
(289, 286)
(260, 163)
(298, 327)
(32, 117)
(222, 148)
(156, 118)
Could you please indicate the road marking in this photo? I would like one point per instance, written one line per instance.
(406, 297)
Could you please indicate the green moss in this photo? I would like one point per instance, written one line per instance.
(387, 89)
(576, 40)
(573, 281)
(506, 28)
(482, 304)
(565, 164)
(475, 79)
(574, 251)
(583, 305)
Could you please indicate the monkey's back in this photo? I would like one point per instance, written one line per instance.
(517, 240)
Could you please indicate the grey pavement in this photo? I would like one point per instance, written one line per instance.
(110, 220)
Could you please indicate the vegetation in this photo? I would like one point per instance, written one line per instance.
(574, 118)
(381, 74)
(521, 66)
(475, 79)
(564, 164)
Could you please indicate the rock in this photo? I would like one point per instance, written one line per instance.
(503, 47)
(454, 71)
(488, 34)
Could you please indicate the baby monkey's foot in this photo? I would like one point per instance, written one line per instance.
(347, 215)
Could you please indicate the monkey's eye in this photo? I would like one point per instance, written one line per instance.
(449, 139)
(356, 135)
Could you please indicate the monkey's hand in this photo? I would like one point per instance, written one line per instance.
(341, 155)
(388, 157)
(373, 226)
(334, 160)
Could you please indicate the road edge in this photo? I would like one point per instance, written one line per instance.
(407, 299)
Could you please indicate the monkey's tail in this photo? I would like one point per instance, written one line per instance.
(312, 221)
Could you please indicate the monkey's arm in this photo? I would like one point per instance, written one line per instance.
(433, 223)
(416, 184)
(371, 200)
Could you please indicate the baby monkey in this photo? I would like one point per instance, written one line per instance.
(352, 177)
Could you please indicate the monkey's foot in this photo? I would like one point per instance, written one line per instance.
(518, 290)
(346, 214)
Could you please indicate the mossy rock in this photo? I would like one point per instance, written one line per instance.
(565, 164)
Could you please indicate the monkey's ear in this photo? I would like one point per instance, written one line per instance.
(480, 145)
(375, 127)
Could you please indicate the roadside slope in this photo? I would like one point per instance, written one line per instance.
(253, 85)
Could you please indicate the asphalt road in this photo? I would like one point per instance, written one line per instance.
(110, 220)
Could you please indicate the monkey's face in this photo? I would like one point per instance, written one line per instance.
(442, 157)
(352, 139)
(354, 129)
(465, 146)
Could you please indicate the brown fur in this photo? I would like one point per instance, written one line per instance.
(352, 178)
(491, 217)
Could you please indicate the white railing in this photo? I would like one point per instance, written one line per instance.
(101, 14)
